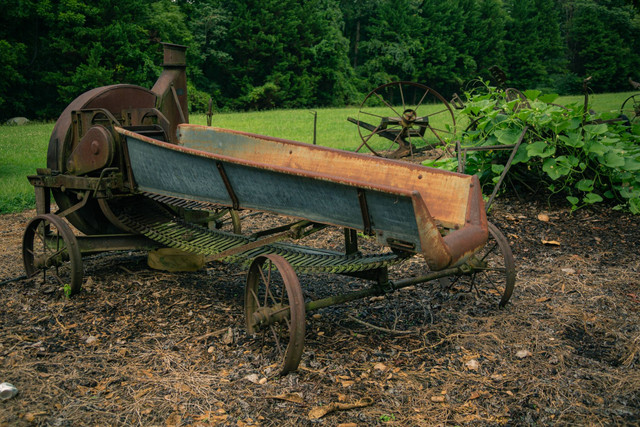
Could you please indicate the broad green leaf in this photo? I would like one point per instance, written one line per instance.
(524, 114)
(541, 149)
(508, 136)
(592, 198)
(551, 168)
(613, 159)
(634, 205)
(631, 164)
(497, 169)
(575, 123)
(573, 200)
(564, 165)
(532, 94)
(556, 168)
(629, 192)
(585, 185)
(548, 98)
(595, 147)
(522, 155)
(559, 126)
(573, 161)
(596, 129)
(574, 139)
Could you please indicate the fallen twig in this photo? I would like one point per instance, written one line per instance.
(378, 328)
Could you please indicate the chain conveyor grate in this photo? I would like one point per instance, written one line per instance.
(156, 222)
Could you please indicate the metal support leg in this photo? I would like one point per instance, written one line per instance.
(43, 200)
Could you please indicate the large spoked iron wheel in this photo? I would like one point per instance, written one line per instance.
(492, 272)
(274, 310)
(631, 108)
(50, 249)
(407, 116)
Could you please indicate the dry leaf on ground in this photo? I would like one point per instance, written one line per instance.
(320, 411)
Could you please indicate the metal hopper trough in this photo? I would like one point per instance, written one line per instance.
(129, 177)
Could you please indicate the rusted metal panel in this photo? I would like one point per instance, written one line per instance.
(435, 186)
(318, 184)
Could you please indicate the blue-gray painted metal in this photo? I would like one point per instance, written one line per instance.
(181, 173)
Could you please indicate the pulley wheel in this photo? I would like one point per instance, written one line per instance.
(50, 249)
(274, 309)
(90, 219)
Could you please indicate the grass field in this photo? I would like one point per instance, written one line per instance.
(24, 148)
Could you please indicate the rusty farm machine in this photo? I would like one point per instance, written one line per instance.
(128, 171)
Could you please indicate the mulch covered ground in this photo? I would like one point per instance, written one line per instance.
(139, 346)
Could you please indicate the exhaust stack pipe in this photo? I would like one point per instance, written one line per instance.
(171, 87)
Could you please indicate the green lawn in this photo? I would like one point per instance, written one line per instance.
(24, 148)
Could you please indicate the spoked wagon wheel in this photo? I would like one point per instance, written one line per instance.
(274, 306)
(409, 115)
(492, 270)
(631, 108)
(50, 248)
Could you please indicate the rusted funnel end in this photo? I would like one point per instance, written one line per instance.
(174, 55)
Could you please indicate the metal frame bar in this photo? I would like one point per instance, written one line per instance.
(227, 184)
(364, 208)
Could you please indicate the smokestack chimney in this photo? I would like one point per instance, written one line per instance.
(171, 87)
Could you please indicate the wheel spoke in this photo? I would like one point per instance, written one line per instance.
(276, 338)
(436, 134)
(490, 251)
(446, 110)
(372, 114)
(255, 297)
(439, 130)
(387, 104)
(42, 238)
(274, 300)
(421, 100)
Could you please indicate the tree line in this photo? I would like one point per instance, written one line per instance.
(250, 54)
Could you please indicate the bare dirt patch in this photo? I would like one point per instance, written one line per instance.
(138, 346)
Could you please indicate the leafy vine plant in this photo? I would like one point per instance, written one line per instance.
(585, 156)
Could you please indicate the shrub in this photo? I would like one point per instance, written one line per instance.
(586, 157)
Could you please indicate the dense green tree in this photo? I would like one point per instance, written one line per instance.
(441, 44)
(603, 40)
(283, 54)
(391, 47)
(63, 48)
(485, 34)
(534, 50)
(287, 53)
(357, 15)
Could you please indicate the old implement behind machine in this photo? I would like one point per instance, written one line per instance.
(128, 171)
(409, 115)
